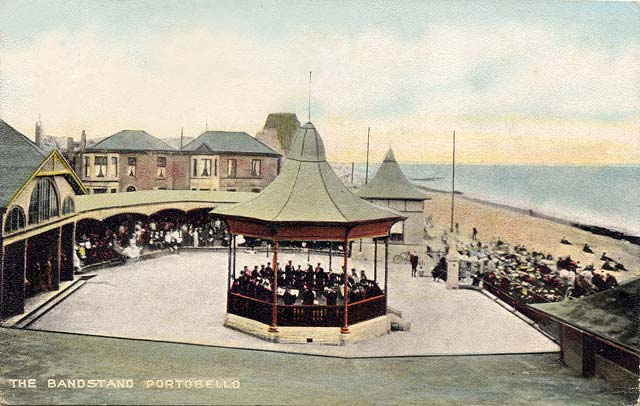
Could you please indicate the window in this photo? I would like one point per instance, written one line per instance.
(162, 166)
(131, 166)
(397, 232)
(99, 190)
(114, 164)
(256, 167)
(15, 220)
(255, 190)
(131, 189)
(195, 168)
(162, 188)
(44, 201)
(232, 165)
(215, 168)
(68, 205)
(114, 190)
(231, 189)
(87, 166)
(206, 170)
(100, 163)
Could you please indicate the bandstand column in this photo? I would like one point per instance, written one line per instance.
(345, 322)
(375, 259)
(330, 252)
(234, 256)
(229, 270)
(274, 309)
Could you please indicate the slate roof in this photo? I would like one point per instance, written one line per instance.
(390, 183)
(131, 140)
(229, 142)
(307, 190)
(612, 314)
(19, 159)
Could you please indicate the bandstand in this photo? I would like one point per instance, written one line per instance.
(308, 202)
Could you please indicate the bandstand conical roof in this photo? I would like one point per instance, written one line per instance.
(390, 183)
(305, 197)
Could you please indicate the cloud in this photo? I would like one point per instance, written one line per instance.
(506, 88)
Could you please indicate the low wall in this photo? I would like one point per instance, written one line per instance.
(377, 327)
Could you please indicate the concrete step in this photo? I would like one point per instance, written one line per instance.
(398, 324)
(41, 310)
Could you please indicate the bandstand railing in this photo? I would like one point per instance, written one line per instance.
(306, 315)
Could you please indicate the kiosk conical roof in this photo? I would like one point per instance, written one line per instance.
(390, 183)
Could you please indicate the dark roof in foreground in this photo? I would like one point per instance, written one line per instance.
(131, 140)
(307, 190)
(612, 314)
(390, 183)
(229, 142)
(19, 158)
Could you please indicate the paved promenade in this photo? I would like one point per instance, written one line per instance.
(182, 298)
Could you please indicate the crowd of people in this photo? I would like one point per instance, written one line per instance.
(527, 276)
(308, 286)
(129, 239)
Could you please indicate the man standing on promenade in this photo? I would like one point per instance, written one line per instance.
(474, 235)
(413, 259)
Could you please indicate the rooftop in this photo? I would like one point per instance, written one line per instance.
(228, 142)
(131, 140)
(307, 190)
(612, 314)
(19, 159)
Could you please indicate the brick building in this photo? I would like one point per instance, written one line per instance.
(135, 160)
(230, 161)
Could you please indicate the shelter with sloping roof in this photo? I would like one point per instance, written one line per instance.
(600, 334)
(306, 202)
(391, 188)
(37, 197)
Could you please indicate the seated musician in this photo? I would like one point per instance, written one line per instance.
(289, 298)
(308, 296)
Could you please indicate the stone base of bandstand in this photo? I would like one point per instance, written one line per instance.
(365, 330)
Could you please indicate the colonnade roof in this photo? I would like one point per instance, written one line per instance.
(102, 201)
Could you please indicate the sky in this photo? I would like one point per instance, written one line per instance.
(543, 83)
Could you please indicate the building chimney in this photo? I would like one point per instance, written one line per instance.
(39, 132)
(83, 140)
(70, 144)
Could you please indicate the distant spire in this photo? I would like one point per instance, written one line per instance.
(309, 120)
(39, 131)
(206, 125)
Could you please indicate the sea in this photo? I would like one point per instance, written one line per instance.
(603, 196)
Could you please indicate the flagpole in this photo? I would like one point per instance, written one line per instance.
(453, 179)
(366, 173)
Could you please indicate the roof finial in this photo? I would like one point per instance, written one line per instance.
(309, 120)
(181, 137)
(206, 125)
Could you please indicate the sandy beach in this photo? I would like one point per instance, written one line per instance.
(535, 233)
